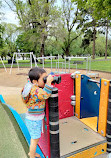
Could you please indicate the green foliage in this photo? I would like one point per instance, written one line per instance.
(101, 8)
(7, 39)
(1, 34)
(88, 37)
(76, 47)
(27, 42)
(47, 29)
(100, 47)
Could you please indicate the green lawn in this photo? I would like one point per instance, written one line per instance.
(98, 64)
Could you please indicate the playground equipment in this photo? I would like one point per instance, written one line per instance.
(64, 65)
(87, 60)
(74, 104)
(14, 135)
(58, 64)
(88, 65)
(3, 64)
(17, 54)
(47, 57)
(89, 73)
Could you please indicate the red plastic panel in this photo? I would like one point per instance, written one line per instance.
(65, 91)
(44, 142)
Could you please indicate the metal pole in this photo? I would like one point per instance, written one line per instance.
(69, 65)
(56, 66)
(43, 61)
(17, 61)
(65, 64)
(58, 63)
(12, 64)
(89, 64)
(31, 59)
(54, 124)
(51, 62)
(3, 64)
(86, 65)
(34, 60)
(90, 80)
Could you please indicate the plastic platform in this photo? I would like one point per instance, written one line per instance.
(76, 139)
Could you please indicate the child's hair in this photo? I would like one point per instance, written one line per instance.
(34, 73)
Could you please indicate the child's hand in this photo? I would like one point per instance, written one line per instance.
(49, 80)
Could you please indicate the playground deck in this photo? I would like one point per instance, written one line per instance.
(76, 137)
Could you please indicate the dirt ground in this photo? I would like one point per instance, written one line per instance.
(12, 84)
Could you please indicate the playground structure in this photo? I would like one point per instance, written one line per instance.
(64, 65)
(75, 102)
(47, 57)
(16, 55)
(89, 73)
(88, 65)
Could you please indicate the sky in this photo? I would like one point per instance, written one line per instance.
(10, 16)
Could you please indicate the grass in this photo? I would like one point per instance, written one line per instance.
(98, 64)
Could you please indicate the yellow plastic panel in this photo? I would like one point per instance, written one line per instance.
(78, 95)
(91, 122)
(92, 152)
(103, 107)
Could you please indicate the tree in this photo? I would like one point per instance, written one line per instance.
(35, 17)
(26, 42)
(1, 29)
(95, 13)
(2, 42)
(102, 11)
(1, 38)
(88, 37)
(9, 35)
(72, 17)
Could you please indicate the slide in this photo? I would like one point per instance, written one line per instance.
(14, 136)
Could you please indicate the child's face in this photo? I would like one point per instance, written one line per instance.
(40, 81)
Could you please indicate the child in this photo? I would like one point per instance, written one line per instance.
(34, 95)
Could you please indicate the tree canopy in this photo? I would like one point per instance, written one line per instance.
(73, 28)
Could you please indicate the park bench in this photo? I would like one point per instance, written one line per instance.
(78, 62)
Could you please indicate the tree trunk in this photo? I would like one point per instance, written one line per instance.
(43, 44)
(42, 49)
(67, 51)
(94, 39)
(23, 56)
(106, 40)
(44, 35)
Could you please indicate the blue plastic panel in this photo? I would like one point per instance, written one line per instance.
(90, 96)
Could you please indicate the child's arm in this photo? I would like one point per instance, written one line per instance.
(25, 92)
(47, 90)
